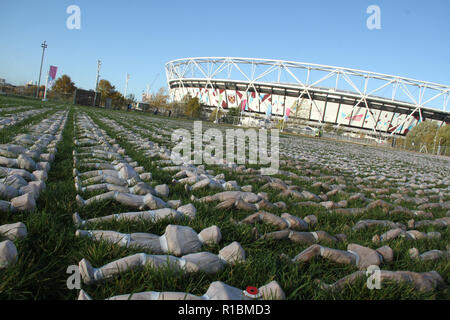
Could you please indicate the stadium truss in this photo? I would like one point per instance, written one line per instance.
(319, 93)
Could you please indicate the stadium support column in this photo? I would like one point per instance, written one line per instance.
(376, 123)
(325, 108)
(392, 118)
(446, 99)
(339, 109)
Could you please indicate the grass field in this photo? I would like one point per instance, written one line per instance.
(51, 245)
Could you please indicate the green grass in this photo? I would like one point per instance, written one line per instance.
(51, 246)
(46, 252)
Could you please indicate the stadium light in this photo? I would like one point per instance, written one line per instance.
(99, 63)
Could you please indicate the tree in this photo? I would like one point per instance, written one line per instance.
(443, 135)
(397, 142)
(338, 130)
(179, 107)
(64, 86)
(117, 99)
(193, 108)
(161, 97)
(30, 90)
(130, 98)
(328, 127)
(106, 89)
(186, 98)
(176, 108)
(214, 114)
(232, 115)
(422, 134)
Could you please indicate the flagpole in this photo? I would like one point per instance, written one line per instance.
(46, 86)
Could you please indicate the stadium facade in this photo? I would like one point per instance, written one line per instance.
(317, 94)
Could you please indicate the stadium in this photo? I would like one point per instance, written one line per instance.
(312, 94)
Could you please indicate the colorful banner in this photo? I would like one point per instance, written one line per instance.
(288, 112)
(52, 76)
(355, 118)
(269, 110)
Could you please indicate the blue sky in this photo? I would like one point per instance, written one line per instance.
(139, 37)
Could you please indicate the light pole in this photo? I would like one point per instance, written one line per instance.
(99, 63)
(46, 87)
(126, 85)
(43, 46)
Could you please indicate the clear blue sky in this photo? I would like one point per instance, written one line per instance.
(139, 37)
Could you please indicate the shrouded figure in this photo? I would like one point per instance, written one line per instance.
(216, 291)
(431, 255)
(369, 223)
(441, 222)
(360, 256)
(304, 237)
(409, 235)
(8, 253)
(14, 231)
(284, 222)
(177, 240)
(187, 210)
(194, 262)
(423, 281)
(148, 201)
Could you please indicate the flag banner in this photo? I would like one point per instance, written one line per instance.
(288, 112)
(269, 110)
(52, 76)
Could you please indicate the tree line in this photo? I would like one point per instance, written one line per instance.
(64, 89)
(427, 137)
(189, 107)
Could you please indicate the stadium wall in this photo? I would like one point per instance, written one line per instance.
(333, 109)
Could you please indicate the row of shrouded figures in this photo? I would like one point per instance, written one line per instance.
(114, 175)
(24, 166)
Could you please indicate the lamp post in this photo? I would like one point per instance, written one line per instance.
(46, 87)
(126, 85)
(99, 63)
(43, 46)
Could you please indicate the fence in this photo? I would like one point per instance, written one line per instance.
(437, 150)
(29, 91)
